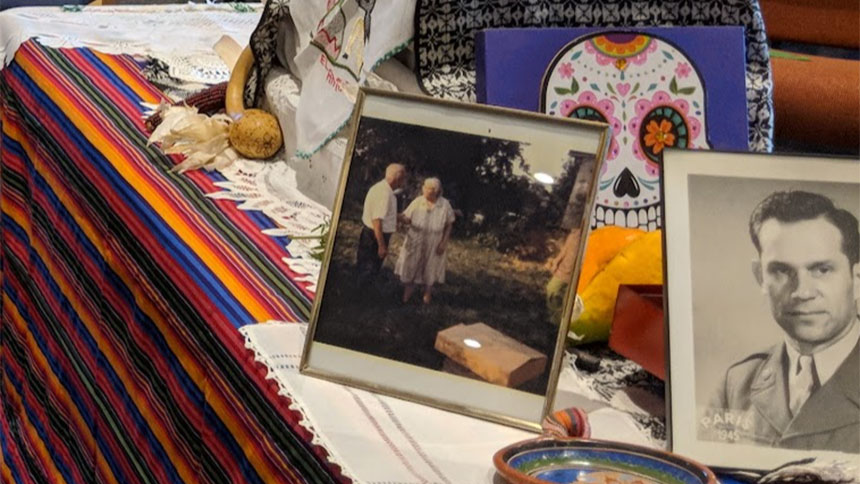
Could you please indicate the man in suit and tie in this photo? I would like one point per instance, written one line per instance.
(804, 392)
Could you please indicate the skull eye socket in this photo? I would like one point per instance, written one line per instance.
(663, 127)
(587, 113)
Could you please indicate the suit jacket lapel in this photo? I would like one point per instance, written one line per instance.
(834, 405)
(769, 393)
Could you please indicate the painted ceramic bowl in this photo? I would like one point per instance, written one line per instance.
(542, 461)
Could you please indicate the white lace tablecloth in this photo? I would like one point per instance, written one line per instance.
(272, 188)
(378, 439)
(165, 30)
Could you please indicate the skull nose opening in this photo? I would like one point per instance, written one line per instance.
(626, 184)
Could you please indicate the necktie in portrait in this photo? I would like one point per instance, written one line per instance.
(804, 382)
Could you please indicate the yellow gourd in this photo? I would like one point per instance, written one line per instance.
(255, 134)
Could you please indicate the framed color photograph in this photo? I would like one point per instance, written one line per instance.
(455, 249)
(763, 284)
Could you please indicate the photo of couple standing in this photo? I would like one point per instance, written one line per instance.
(439, 228)
(427, 222)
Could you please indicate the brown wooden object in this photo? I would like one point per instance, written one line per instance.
(490, 354)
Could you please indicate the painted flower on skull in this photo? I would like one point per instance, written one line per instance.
(652, 96)
(674, 121)
(565, 70)
(683, 70)
(659, 137)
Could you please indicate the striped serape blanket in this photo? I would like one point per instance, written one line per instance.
(123, 286)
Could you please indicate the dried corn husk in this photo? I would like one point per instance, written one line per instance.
(204, 140)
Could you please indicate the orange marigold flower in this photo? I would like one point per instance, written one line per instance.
(659, 136)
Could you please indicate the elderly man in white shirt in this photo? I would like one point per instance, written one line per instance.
(379, 221)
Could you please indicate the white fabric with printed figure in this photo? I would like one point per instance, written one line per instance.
(331, 47)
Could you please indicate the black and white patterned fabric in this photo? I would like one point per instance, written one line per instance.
(157, 72)
(445, 46)
(264, 45)
(617, 375)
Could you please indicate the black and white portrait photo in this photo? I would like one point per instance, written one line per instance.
(774, 287)
(454, 249)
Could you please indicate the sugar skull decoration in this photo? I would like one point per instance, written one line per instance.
(651, 95)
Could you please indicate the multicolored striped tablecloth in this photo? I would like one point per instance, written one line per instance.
(122, 290)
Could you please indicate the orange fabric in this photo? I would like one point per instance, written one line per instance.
(604, 244)
(817, 101)
(825, 22)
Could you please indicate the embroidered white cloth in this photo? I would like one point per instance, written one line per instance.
(378, 439)
(317, 176)
(171, 30)
(272, 188)
(338, 45)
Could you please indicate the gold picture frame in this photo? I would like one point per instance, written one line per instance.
(488, 160)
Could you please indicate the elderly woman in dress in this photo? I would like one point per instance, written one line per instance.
(422, 258)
